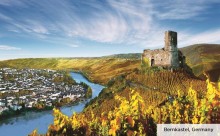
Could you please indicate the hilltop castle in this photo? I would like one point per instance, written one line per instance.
(167, 57)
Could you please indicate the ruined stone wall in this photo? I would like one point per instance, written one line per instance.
(166, 57)
(158, 57)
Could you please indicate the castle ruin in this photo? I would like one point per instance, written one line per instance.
(167, 57)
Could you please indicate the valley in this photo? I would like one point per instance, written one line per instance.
(156, 91)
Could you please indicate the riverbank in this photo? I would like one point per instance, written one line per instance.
(16, 113)
(23, 90)
(86, 76)
(41, 120)
(11, 113)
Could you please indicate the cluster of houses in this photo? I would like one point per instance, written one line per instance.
(29, 87)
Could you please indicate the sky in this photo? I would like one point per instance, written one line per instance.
(89, 28)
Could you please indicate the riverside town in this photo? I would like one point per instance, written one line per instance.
(38, 89)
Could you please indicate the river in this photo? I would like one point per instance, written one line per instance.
(25, 124)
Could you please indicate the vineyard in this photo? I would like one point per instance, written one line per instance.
(167, 82)
(133, 117)
(136, 97)
(133, 104)
(153, 86)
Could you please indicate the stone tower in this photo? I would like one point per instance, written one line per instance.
(170, 41)
(171, 47)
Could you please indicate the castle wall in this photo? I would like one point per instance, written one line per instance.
(174, 59)
(168, 56)
(158, 57)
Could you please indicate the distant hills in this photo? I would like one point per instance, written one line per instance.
(125, 56)
(100, 69)
(200, 58)
(203, 58)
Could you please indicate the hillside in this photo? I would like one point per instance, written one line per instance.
(96, 69)
(133, 104)
(203, 58)
(154, 86)
(150, 93)
(200, 58)
(125, 56)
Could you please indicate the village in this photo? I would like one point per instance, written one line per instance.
(28, 88)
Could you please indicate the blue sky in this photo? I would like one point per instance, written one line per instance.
(83, 28)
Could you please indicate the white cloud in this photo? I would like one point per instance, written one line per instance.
(7, 48)
(122, 22)
(115, 21)
(73, 45)
(40, 29)
(108, 29)
(14, 30)
(132, 22)
(180, 9)
(210, 36)
(31, 27)
(11, 2)
(4, 17)
(185, 38)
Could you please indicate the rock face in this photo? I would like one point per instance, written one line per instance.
(169, 56)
